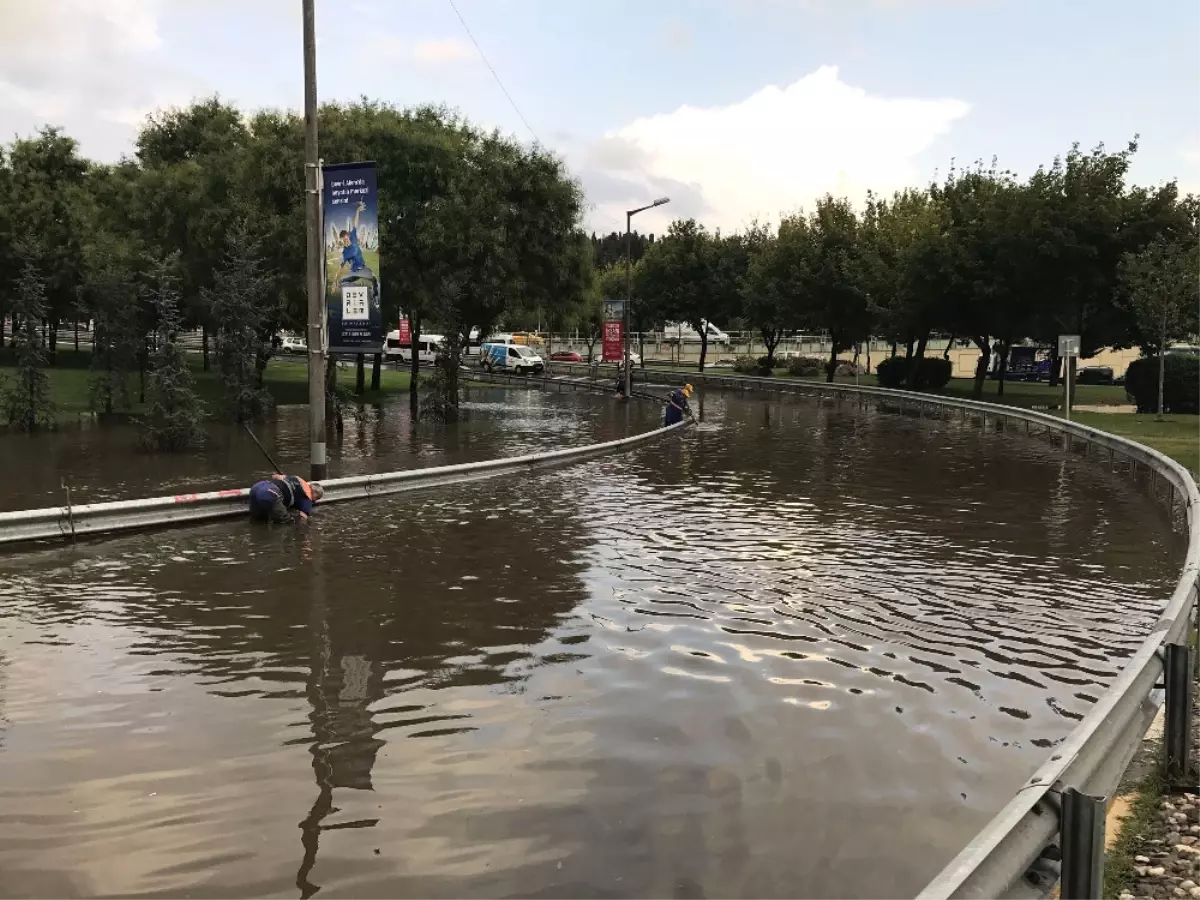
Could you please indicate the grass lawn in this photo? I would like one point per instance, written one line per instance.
(286, 379)
(1176, 436)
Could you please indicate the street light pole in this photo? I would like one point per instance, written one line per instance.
(629, 282)
(316, 253)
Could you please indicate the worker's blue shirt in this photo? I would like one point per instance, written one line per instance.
(353, 254)
(286, 489)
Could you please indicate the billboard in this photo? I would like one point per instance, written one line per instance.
(350, 223)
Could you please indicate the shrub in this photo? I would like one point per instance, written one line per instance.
(933, 373)
(805, 367)
(1181, 384)
(748, 365)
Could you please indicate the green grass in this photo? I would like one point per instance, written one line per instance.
(285, 379)
(1119, 861)
(1176, 436)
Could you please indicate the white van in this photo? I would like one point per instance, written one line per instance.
(514, 357)
(427, 348)
(682, 332)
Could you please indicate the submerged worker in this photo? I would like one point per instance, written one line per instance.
(283, 499)
(677, 405)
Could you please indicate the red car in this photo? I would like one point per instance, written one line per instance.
(566, 356)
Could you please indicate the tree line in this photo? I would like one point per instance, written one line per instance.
(980, 255)
(203, 227)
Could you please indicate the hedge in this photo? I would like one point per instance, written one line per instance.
(1181, 385)
(933, 373)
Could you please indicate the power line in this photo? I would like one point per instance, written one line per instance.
(513, 103)
(491, 68)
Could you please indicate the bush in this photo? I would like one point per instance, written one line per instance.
(933, 373)
(805, 367)
(1181, 384)
(748, 365)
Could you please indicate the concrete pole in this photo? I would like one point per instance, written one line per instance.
(316, 254)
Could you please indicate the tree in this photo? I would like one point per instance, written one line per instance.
(1160, 288)
(27, 403)
(48, 200)
(112, 293)
(679, 274)
(834, 292)
(776, 273)
(239, 301)
(173, 422)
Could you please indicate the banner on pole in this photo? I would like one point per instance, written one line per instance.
(350, 214)
(405, 332)
(613, 348)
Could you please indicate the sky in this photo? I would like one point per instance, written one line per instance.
(738, 110)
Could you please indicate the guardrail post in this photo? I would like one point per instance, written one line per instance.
(1177, 731)
(1081, 838)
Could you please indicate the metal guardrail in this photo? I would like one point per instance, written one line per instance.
(1024, 848)
(98, 518)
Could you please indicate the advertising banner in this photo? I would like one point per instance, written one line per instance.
(613, 348)
(405, 332)
(614, 342)
(350, 214)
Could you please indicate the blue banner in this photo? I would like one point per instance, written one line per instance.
(350, 210)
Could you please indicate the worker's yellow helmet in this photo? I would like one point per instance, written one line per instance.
(687, 389)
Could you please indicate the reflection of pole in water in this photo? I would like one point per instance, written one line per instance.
(341, 688)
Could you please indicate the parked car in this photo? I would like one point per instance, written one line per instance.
(291, 343)
(1094, 375)
(566, 356)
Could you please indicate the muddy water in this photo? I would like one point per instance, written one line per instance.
(104, 462)
(801, 652)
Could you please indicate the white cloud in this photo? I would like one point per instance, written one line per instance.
(443, 51)
(391, 48)
(92, 67)
(778, 149)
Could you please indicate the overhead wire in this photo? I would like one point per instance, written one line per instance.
(513, 103)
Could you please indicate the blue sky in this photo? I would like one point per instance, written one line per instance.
(659, 96)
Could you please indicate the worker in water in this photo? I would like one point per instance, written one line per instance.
(621, 380)
(283, 499)
(677, 405)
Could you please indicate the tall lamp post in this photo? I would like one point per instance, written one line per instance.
(629, 282)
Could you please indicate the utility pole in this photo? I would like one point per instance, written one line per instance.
(316, 253)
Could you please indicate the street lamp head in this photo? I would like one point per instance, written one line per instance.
(660, 201)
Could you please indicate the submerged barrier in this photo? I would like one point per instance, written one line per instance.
(123, 515)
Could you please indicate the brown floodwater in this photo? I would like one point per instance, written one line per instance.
(803, 651)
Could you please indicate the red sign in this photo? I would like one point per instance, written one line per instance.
(614, 342)
(405, 334)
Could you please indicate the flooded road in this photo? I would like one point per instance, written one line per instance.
(800, 652)
(104, 463)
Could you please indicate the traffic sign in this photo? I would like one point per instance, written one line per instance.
(1068, 345)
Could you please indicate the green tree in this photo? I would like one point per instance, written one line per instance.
(173, 421)
(833, 294)
(113, 295)
(240, 301)
(26, 396)
(1160, 288)
(48, 200)
(690, 279)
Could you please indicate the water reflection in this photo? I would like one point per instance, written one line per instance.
(800, 651)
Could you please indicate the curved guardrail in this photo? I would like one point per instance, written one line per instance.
(1023, 850)
(122, 515)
